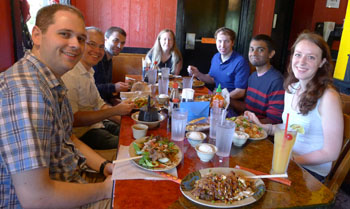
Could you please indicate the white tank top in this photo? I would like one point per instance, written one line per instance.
(313, 138)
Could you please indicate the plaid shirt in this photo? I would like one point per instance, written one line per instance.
(35, 127)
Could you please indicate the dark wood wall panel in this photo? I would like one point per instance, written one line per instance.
(141, 19)
(6, 40)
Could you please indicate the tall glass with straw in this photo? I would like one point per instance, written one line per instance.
(282, 149)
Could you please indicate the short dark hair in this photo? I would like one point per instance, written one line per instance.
(45, 15)
(113, 29)
(267, 39)
(226, 31)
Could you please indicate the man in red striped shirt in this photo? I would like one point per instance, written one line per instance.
(265, 93)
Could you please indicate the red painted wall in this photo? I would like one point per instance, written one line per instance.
(6, 40)
(322, 13)
(302, 18)
(263, 17)
(142, 20)
(308, 13)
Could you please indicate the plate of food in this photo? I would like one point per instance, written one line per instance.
(197, 83)
(203, 98)
(158, 153)
(202, 187)
(254, 131)
(198, 127)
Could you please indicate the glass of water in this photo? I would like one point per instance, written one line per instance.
(215, 118)
(224, 137)
(178, 124)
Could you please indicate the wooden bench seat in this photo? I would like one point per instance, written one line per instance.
(126, 63)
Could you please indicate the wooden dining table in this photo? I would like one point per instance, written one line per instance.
(305, 191)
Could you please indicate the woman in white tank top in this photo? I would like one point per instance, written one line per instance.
(312, 102)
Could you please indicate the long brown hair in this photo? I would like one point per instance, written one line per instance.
(321, 80)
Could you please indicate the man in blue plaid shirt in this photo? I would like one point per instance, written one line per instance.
(40, 160)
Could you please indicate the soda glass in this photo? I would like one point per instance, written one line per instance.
(163, 84)
(178, 124)
(282, 149)
(187, 82)
(152, 76)
(224, 137)
(165, 72)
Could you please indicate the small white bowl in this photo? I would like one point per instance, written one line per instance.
(162, 98)
(240, 138)
(205, 155)
(194, 141)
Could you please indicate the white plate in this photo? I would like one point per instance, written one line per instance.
(187, 186)
(260, 138)
(132, 153)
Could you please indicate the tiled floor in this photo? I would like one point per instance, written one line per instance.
(342, 200)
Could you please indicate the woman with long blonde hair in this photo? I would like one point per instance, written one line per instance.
(165, 52)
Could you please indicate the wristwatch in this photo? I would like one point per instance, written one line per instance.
(103, 165)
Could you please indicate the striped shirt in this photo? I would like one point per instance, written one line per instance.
(35, 127)
(265, 95)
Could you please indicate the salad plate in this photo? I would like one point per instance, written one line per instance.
(155, 145)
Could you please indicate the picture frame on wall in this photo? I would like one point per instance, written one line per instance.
(332, 3)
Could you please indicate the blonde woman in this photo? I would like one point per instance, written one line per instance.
(165, 52)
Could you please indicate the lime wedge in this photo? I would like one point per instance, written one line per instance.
(298, 128)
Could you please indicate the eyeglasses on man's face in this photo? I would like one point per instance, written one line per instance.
(94, 45)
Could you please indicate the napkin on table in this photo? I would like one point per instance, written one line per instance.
(128, 170)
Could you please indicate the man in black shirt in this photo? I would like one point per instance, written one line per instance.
(114, 42)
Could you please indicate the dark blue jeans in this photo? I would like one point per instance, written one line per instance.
(102, 138)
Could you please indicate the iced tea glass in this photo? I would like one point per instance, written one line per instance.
(282, 149)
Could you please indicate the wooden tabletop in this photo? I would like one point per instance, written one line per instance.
(305, 190)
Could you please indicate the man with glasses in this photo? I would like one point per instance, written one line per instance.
(95, 122)
(114, 43)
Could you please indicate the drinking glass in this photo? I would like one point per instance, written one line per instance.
(187, 82)
(165, 72)
(215, 118)
(163, 84)
(282, 149)
(224, 137)
(178, 124)
(152, 76)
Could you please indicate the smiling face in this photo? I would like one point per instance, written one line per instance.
(115, 43)
(224, 44)
(62, 45)
(307, 58)
(166, 41)
(94, 48)
(259, 54)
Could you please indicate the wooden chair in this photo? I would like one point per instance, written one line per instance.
(342, 165)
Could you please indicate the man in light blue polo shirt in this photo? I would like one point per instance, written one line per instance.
(228, 68)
